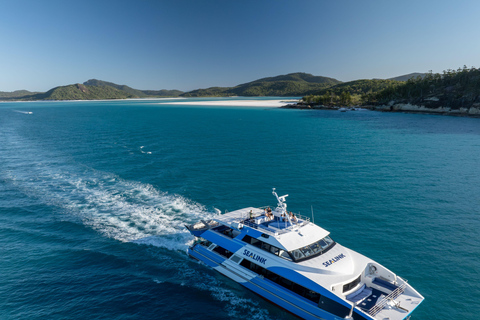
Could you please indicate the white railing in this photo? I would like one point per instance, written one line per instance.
(273, 231)
(392, 296)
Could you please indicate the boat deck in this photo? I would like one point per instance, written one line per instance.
(274, 226)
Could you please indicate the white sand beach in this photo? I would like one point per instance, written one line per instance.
(238, 103)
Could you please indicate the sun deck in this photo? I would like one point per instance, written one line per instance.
(274, 226)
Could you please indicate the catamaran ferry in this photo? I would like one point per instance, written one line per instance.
(295, 264)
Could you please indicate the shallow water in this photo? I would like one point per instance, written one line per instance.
(94, 197)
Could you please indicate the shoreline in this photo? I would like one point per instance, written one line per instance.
(411, 109)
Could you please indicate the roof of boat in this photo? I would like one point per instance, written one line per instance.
(289, 237)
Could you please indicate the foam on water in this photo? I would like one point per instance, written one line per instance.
(128, 211)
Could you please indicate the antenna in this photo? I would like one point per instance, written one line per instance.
(282, 206)
(313, 217)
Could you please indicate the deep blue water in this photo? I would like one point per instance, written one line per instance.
(94, 197)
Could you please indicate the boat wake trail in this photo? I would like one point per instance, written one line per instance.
(128, 211)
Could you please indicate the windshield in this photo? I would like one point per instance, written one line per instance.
(313, 250)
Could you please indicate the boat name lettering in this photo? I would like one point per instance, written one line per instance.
(335, 259)
(254, 256)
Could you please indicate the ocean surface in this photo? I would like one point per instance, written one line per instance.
(94, 197)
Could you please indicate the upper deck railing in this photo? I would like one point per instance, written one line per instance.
(265, 226)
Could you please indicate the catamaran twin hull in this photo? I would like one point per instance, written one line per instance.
(295, 264)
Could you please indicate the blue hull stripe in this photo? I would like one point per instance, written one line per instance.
(202, 258)
(214, 257)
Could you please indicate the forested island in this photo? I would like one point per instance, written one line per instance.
(455, 92)
(90, 90)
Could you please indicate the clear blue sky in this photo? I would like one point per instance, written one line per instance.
(190, 44)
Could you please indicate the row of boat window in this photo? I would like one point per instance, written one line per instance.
(267, 247)
(292, 286)
(323, 302)
(307, 252)
(314, 249)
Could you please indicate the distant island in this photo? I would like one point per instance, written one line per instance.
(90, 90)
(455, 92)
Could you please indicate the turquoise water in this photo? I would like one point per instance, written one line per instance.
(94, 197)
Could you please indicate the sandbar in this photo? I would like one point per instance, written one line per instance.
(238, 103)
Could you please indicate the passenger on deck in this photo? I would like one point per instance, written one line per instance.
(292, 217)
(251, 214)
(269, 216)
(269, 210)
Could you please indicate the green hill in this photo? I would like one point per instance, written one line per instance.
(99, 83)
(134, 92)
(15, 94)
(296, 77)
(90, 90)
(80, 92)
(293, 84)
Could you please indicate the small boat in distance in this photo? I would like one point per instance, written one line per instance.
(24, 112)
(295, 264)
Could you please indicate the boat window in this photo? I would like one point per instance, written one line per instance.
(222, 251)
(316, 247)
(206, 243)
(287, 284)
(284, 254)
(298, 289)
(274, 250)
(254, 242)
(267, 247)
(229, 232)
(306, 251)
(351, 285)
(312, 295)
(203, 242)
(235, 258)
(298, 255)
(328, 240)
